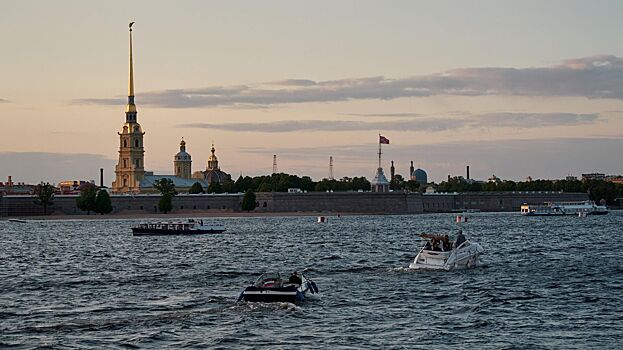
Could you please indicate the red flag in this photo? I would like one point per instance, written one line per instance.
(383, 139)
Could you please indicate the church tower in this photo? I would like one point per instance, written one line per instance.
(182, 162)
(130, 170)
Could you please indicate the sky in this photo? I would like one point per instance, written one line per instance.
(511, 88)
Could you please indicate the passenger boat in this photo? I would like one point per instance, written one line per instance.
(190, 227)
(564, 208)
(433, 257)
(271, 287)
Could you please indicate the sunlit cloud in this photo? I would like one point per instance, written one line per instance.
(489, 120)
(589, 77)
(4, 101)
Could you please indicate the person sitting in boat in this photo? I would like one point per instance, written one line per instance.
(427, 246)
(446, 244)
(436, 244)
(295, 278)
(459, 239)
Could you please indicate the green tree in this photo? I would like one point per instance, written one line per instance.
(264, 187)
(397, 183)
(103, 204)
(215, 187)
(44, 196)
(248, 201)
(165, 204)
(229, 186)
(86, 200)
(412, 185)
(196, 188)
(165, 186)
(167, 189)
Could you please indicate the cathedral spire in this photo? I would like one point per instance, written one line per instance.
(131, 109)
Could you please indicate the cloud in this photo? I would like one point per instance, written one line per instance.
(590, 77)
(4, 101)
(384, 115)
(34, 167)
(490, 120)
(508, 159)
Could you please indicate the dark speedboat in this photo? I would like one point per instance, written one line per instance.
(190, 227)
(270, 287)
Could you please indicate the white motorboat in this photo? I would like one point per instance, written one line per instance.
(433, 257)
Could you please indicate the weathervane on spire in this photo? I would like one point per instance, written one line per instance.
(131, 23)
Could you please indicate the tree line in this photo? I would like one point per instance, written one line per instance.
(596, 189)
(281, 183)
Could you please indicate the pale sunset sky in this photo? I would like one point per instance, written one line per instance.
(511, 88)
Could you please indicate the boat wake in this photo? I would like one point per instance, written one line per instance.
(270, 307)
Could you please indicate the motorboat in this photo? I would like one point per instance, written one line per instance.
(433, 256)
(581, 208)
(190, 227)
(271, 287)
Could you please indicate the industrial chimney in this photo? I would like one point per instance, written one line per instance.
(468, 172)
(101, 177)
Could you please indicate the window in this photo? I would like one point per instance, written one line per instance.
(125, 182)
(137, 162)
(136, 143)
(125, 143)
(125, 163)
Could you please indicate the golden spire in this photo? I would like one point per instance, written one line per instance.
(131, 107)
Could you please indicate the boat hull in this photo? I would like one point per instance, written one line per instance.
(464, 257)
(272, 295)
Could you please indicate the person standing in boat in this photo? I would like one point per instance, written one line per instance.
(295, 278)
(459, 239)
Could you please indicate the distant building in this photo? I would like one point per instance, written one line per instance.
(73, 186)
(15, 188)
(571, 178)
(593, 176)
(379, 183)
(617, 179)
(494, 179)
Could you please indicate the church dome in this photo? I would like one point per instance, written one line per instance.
(420, 176)
(182, 155)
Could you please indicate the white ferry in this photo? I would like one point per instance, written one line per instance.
(564, 208)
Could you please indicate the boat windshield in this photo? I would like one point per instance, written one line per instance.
(271, 279)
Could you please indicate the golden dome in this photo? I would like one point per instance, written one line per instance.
(212, 156)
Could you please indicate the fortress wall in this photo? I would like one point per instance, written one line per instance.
(335, 202)
(66, 204)
(340, 202)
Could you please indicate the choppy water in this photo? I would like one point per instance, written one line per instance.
(552, 283)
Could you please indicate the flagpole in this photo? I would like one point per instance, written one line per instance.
(379, 149)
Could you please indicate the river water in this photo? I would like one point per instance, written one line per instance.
(546, 283)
